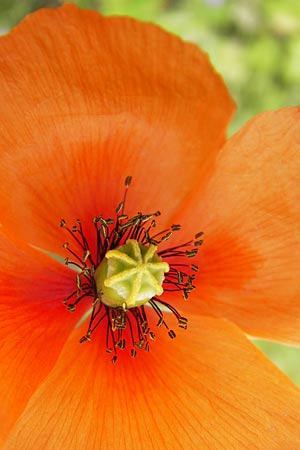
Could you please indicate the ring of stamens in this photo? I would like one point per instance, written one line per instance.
(122, 322)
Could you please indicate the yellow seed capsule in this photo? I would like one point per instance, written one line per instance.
(132, 274)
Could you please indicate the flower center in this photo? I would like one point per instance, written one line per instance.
(126, 274)
(130, 275)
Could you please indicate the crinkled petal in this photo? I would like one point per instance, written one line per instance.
(209, 389)
(85, 104)
(249, 264)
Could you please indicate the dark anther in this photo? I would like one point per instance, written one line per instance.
(114, 359)
(128, 181)
(171, 334)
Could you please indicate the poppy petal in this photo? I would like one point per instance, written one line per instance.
(84, 105)
(34, 324)
(210, 389)
(250, 213)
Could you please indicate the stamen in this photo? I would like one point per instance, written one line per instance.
(128, 240)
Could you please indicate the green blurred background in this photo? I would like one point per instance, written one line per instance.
(254, 44)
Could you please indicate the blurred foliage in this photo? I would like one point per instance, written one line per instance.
(254, 44)
(286, 358)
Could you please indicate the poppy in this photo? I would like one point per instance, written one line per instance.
(86, 102)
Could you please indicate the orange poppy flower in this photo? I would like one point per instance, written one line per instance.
(85, 102)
